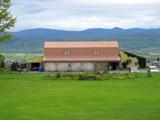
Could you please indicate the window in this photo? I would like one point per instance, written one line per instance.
(96, 52)
(129, 61)
(66, 53)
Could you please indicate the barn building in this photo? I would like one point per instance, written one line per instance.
(81, 56)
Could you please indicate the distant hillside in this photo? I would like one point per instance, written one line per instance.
(135, 40)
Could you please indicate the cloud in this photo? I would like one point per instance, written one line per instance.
(84, 14)
(102, 2)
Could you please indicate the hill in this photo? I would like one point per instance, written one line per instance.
(142, 41)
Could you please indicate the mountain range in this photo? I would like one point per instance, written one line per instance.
(135, 40)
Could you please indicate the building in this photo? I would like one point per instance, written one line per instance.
(32, 64)
(130, 60)
(154, 63)
(81, 56)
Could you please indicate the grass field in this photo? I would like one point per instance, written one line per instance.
(30, 96)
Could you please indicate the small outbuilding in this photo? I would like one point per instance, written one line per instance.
(34, 63)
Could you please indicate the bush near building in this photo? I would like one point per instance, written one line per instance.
(14, 66)
(2, 58)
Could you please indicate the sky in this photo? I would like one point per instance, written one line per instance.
(84, 14)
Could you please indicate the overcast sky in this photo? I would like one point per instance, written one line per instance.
(84, 14)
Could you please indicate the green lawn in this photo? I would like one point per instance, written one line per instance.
(30, 96)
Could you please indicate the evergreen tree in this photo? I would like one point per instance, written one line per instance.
(6, 20)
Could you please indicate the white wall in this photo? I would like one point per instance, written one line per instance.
(72, 66)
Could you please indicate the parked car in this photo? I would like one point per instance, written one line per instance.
(133, 70)
(153, 69)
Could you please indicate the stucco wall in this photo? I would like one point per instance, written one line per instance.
(72, 66)
(49, 66)
(87, 66)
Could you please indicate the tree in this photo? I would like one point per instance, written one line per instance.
(6, 20)
(1, 61)
(14, 66)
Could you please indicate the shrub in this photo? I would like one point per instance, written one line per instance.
(107, 76)
(149, 73)
(1, 61)
(57, 75)
(2, 64)
(87, 77)
(14, 66)
(90, 76)
(124, 76)
(69, 76)
(51, 76)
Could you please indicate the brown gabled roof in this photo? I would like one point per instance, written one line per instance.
(81, 51)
